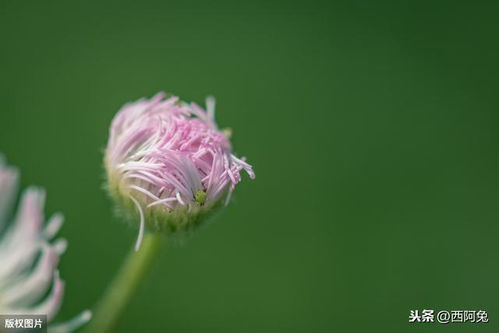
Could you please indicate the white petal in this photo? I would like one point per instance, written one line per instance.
(28, 222)
(17, 260)
(142, 224)
(210, 107)
(73, 324)
(53, 226)
(22, 241)
(51, 304)
(8, 190)
(31, 287)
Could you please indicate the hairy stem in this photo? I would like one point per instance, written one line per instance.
(125, 284)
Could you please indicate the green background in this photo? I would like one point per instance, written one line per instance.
(372, 127)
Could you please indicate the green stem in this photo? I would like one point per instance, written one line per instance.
(125, 284)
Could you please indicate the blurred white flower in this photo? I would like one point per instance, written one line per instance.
(29, 278)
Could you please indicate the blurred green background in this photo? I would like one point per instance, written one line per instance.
(372, 127)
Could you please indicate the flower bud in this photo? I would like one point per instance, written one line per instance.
(168, 165)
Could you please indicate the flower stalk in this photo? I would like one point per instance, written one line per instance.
(125, 284)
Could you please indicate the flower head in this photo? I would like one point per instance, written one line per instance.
(168, 163)
(28, 256)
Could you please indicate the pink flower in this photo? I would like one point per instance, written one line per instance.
(168, 161)
(28, 256)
